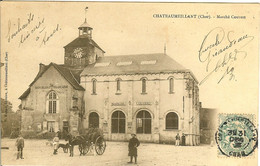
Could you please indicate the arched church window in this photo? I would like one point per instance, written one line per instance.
(172, 121)
(52, 100)
(143, 122)
(118, 122)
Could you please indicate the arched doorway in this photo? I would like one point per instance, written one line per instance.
(143, 122)
(93, 120)
(118, 122)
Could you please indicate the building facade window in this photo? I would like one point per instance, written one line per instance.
(118, 122)
(171, 85)
(50, 126)
(94, 86)
(143, 85)
(52, 102)
(143, 122)
(118, 85)
(93, 120)
(172, 121)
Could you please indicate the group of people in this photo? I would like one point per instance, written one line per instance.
(132, 145)
(178, 138)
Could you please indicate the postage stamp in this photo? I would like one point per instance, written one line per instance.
(236, 135)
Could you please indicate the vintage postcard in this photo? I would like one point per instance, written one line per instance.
(119, 83)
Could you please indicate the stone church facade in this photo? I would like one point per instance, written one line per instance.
(148, 94)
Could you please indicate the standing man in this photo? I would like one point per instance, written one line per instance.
(20, 145)
(178, 138)
(56, 143)
(132, 147)
(183, 139)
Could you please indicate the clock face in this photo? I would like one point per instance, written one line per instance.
(77, 53)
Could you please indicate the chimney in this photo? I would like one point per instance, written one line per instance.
(41, 67)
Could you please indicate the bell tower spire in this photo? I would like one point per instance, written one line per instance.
(85, 30)
(83, 50)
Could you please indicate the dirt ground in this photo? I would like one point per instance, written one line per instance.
(36, 152)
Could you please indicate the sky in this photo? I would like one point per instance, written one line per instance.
(139, 28)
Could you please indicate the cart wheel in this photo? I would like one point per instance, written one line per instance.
(85, 150)
(100, 145)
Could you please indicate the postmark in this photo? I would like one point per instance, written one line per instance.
(236, 135)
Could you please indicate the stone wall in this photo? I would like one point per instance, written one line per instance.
(130, 100)
(35, 115)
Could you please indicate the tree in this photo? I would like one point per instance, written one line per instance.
(6, 107)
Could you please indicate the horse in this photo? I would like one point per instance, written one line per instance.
(76, 140)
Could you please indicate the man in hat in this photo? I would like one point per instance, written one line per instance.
(20, 145)
(183, 138)
(132, 146)
(56, 143)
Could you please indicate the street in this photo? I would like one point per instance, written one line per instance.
(36, 152)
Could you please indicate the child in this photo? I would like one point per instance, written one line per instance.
(20, 145)
(56, 143)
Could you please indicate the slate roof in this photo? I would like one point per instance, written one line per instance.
(83, 41)
(85, 25)
(25, 94)
(164, 63)
(72, 76)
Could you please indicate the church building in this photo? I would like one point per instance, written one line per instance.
(151, 95)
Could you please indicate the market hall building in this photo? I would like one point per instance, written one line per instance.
(148, 94)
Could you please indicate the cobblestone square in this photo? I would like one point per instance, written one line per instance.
(36, 152)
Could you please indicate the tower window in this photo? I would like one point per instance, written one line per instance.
(85, 31)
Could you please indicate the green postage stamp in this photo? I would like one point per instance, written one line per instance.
(236, 135)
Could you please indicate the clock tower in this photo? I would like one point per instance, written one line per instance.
(83, 50)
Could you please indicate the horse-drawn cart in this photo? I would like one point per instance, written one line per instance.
(93, 139)
(99, 145)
